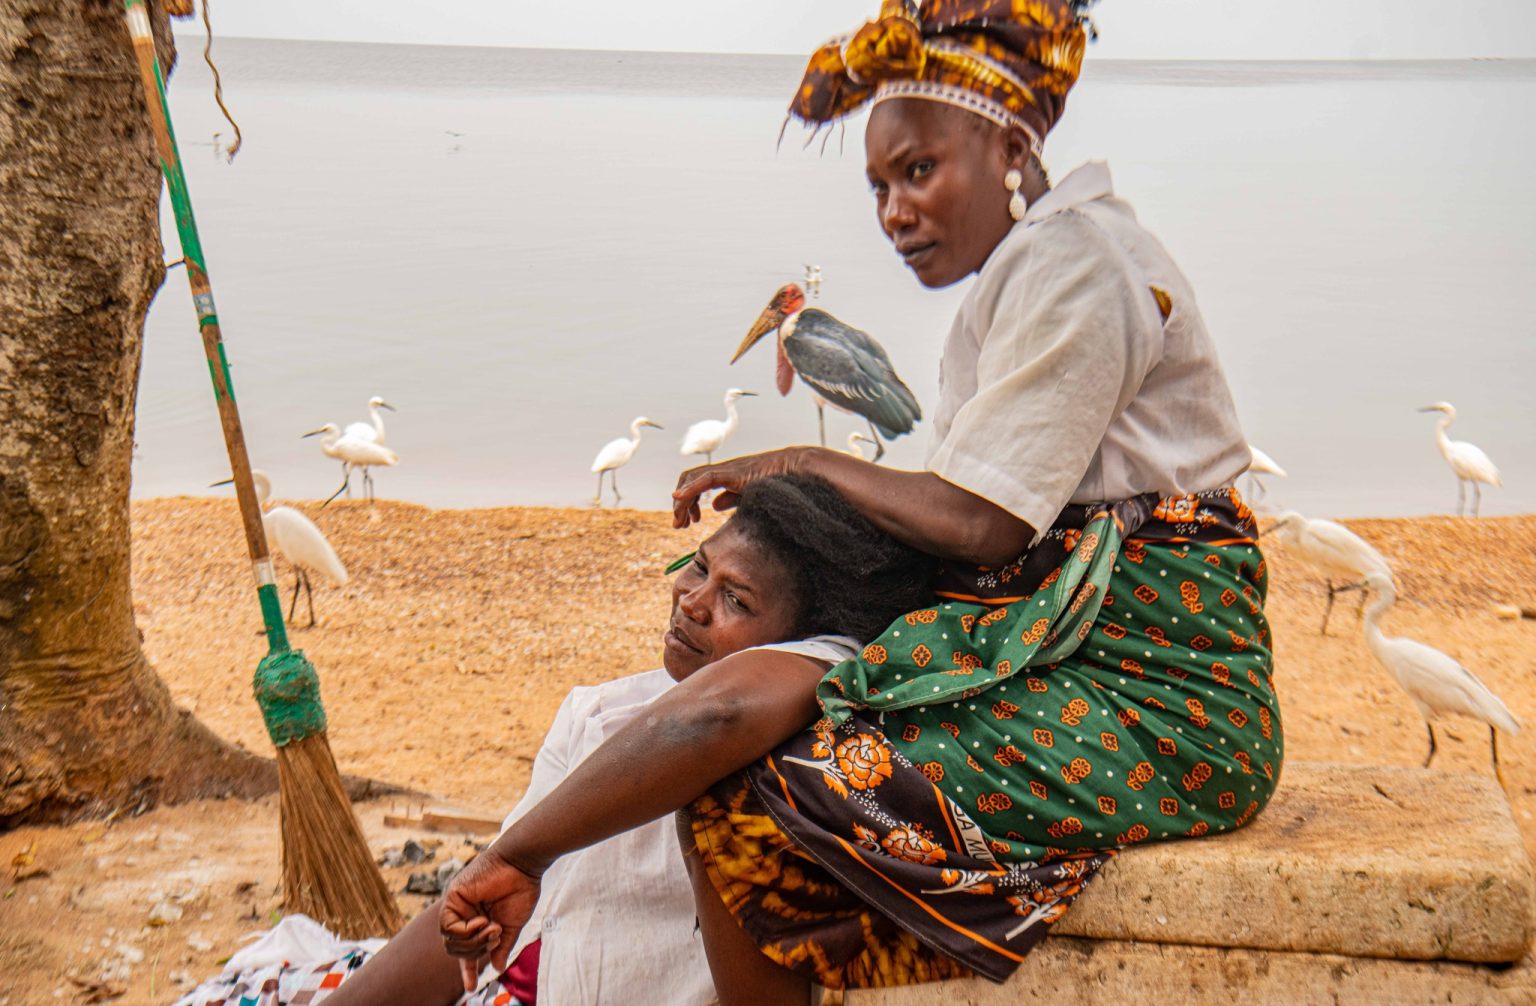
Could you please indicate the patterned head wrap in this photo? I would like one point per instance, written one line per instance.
(1011, 61)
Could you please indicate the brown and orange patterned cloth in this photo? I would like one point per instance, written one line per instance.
(1011, 61)
(981, 759)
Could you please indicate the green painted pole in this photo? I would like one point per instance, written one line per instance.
(295, 712)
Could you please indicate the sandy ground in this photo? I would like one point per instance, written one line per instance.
(460, 632)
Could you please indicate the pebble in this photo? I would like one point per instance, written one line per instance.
(446, 872)
(422, 883)
(413, 852)
(164, 913)
(199, 943)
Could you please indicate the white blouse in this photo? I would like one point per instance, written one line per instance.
(617, 918)
(1079, 368)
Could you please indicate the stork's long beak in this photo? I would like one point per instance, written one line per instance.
(771, 318)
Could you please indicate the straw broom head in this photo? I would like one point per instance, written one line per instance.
(328, 871)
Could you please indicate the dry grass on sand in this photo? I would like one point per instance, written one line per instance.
(444, 659)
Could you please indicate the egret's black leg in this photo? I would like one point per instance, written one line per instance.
(346, 483)
(1477, 499)
(368, 483)
(1493, 739)
(298, 575)
(1432, 745)
(1461, 492)
(309, 593)
(1332, 590)
(614, 482)
(598, 499)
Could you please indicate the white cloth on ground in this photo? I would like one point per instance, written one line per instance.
(1061, 380)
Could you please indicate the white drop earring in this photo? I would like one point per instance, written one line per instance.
(1016, 204)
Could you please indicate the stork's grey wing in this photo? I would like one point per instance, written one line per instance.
(855, 337)
(852, 371)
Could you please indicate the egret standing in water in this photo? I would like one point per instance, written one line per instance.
(1435, 682)
(374, 429)
(296, 538)
(1338, 550)
(1467, 460)
(813, 280)
(615, 455)
(843, 366)
(708, 435)
(353, 453)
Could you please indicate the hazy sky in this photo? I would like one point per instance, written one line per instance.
(1132, 29)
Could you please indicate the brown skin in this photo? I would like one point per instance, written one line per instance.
(733, 596)
(937, 176)
(938, 188)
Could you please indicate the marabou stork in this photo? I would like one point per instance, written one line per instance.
(843, 366)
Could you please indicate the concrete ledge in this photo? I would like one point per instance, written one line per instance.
(1360, 861)
(1109, 973)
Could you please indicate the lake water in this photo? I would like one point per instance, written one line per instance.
(524, 249)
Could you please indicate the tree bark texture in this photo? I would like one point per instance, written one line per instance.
(86, 726)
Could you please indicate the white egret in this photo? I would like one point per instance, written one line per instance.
(1261, 464)
(1435, 682)
(1467, 460)
(813, 280)
(374, 429)
(295, 537)
(708, 435)
(615, 455)
(1338, 550)
(855, 439)
(352, 453)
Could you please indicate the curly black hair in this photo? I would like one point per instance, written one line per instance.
(851, 578)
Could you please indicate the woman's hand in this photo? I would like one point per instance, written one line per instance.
(731, 477)
(484, 909)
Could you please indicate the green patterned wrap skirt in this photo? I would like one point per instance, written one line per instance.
(979, 761)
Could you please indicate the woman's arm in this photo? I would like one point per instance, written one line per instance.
(919, 509)
(717, 721)
(410, 969)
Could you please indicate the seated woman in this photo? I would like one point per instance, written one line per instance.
(1093, 670)
(794, 562)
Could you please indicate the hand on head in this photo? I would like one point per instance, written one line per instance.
(484, 909)
(731, 477)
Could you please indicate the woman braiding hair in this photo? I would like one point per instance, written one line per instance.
(1094, 669)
